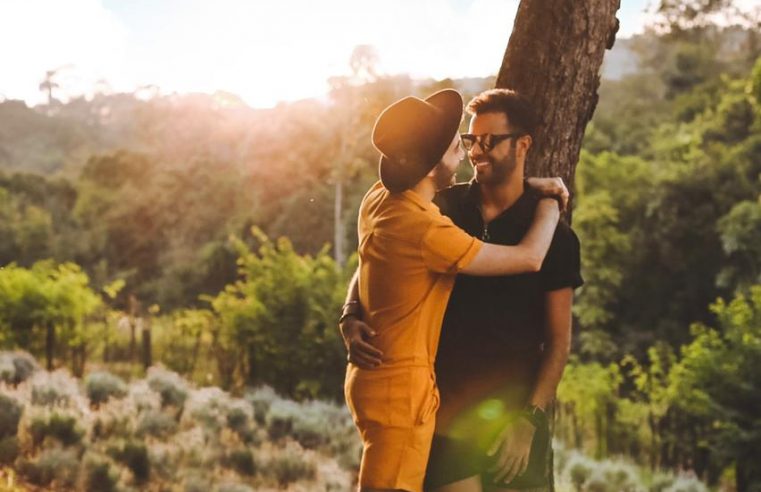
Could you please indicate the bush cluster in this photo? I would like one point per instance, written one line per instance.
(161, 433)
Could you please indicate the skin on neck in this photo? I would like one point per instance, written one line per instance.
(425, 188)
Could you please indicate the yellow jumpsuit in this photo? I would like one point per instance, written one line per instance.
(409, 255)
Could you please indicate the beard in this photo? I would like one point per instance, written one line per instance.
(498, 171)
(442, 177)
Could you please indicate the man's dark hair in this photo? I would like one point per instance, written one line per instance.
(519, 110)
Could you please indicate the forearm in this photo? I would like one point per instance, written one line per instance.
(537, 240)
(551, 369)
(351, 307)
(352, 293)
(555, 357)
(527, 256)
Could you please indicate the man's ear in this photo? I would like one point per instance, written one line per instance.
(524, 144)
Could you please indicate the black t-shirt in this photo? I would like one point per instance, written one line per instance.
(491, 319)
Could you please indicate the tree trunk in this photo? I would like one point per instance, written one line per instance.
(50, 345)
(338, 225)
(79, 359)
(106, 339)
(147, 351)
(554, 58)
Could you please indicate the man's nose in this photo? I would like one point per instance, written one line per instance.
(475, 151)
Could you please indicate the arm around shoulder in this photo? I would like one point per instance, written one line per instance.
(525, 257)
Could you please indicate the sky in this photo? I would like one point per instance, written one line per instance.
(262, 50)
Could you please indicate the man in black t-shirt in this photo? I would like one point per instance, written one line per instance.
(505, 340)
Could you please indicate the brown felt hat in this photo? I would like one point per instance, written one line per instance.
(412, 136)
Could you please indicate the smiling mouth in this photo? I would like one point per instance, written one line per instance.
(482, 165)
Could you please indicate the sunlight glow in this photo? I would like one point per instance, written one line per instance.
(263, 51)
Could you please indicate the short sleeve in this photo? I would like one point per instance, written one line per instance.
(562, 266)
(446, 248)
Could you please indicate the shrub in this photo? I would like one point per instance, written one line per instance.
(101, 385)
(143, 398)
(215, 410)
(234, 487)
(156, 424)
(98, 474)
(59, 465)
(288, 465)
(16, 367)
(280, 417)
(134, 455)
(114, 419)
(240, 420)
(686, 484)
(9, 450)
(169, 385)
(242, 461)
(209, 407)
(63, 427)
(579, 468)
(613, 476)
(53, 388)
(10, 414)
(195, 481)
(261, 399)
(661, 481)
(316, 424)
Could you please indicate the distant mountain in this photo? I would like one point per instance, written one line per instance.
(621, 60)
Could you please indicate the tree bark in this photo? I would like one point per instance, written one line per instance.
(49, 345)
(147, 351)
(554, 57)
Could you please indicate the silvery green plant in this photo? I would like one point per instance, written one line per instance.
(169, 385)
(54, 389)
(16, 367)
(102, 385)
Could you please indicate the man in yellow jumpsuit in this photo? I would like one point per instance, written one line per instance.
(409, 254)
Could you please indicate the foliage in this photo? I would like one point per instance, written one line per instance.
(101, 386)
(211, 440)
(169, 385)
(144, 196)
(16, 367)
(278, 322)
(10, 414)
(157, 424)
(55, 389)
(56, 464)
(740, 231)
(289, 465)
(63, 427)
(98, 474)
(718, 378)
(134, 455)
(51, 302)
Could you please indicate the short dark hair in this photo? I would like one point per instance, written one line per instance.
(518, 109)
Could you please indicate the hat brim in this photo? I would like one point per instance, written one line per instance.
(395, 176)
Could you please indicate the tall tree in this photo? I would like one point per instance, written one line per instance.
(49, 83)
(553, 57)
(346, 93)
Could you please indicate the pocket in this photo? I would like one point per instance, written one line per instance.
(380, 398)
(430, 406)
(425, 395)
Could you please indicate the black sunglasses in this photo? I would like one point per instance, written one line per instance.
(487, 141)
